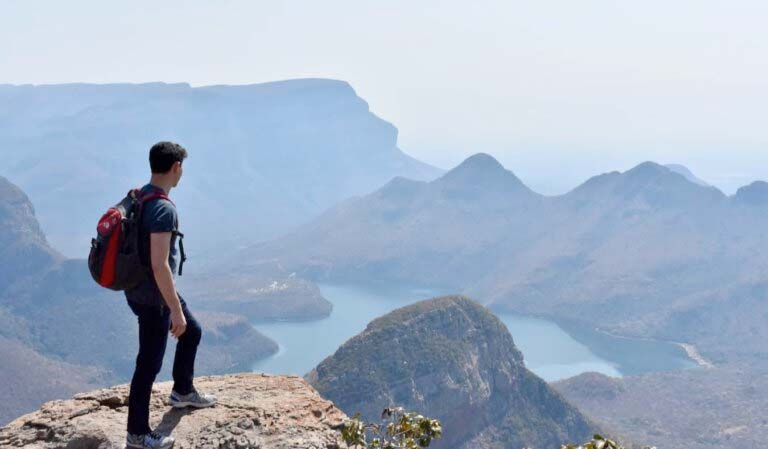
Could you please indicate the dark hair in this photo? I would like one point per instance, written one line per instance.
(162, 156)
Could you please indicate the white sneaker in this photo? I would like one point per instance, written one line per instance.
(151, 440)
(193, 399)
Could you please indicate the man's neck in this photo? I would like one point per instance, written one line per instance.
(164, 184)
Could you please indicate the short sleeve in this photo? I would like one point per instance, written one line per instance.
(161, 217)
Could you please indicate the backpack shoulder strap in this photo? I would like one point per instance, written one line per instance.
(147, 196)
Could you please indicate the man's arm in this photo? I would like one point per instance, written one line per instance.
(160, 244)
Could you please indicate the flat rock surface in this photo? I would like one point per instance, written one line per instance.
(254, 411)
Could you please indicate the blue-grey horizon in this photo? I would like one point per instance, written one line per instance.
(557, 91)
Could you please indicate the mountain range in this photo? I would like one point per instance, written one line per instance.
(644, 253)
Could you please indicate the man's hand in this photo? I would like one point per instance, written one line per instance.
(178, 324)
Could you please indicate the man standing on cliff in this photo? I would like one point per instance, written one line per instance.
(159, 307)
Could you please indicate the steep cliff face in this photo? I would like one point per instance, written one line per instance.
(24, 250)
(254, 410)
(451, 359)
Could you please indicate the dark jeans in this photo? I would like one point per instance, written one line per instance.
(154, 327)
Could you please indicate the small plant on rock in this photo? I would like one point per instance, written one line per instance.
(399, 430)
(598, 442)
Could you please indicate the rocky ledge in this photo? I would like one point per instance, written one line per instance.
(254, 411)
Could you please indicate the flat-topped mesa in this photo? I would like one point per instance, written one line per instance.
(254, 410)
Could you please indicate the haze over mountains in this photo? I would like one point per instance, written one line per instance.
(652, 252)
(262, 157)
(645, 252)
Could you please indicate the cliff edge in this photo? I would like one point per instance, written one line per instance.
(254, 411)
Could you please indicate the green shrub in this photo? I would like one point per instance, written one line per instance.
(399, 430)
(409, 430)
(598, 442)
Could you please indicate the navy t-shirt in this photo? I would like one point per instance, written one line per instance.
(158, 215)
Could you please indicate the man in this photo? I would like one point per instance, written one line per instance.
(159, 307)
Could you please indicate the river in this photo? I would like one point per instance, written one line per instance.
(548, 350)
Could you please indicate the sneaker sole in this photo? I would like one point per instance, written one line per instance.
(141, 446)
(191, 404)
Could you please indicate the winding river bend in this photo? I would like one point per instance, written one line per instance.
(549, 350)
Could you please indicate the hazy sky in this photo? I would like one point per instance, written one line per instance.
(557, 90)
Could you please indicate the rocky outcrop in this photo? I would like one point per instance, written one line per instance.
(254, 411)
(451, 359)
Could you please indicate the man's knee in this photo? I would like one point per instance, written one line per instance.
(148, 365)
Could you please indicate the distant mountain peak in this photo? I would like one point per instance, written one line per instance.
(643, 176)
(482, 171)
(650, 173)
(677, 179)
(481, 161)
(648, 168)
(754, 194)
(9, 192)
(688, 174)
(656, 183)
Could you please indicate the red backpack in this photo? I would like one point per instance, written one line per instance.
(114, 259)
